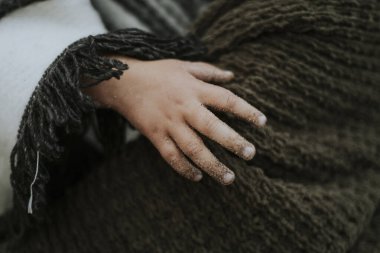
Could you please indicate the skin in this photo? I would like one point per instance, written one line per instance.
(167, 101)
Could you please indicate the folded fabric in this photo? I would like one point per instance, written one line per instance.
(312, 66)
(161, 17)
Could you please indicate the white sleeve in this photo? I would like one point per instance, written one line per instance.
(30, 39)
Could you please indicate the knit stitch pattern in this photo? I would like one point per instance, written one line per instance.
(311, 66)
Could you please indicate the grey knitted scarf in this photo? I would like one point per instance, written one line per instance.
(312, 66)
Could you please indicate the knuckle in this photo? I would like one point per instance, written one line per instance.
(193, 110)
(179, 64)
(195, 62)
(186, 171)
(170, 154)
(184, 64)
(231, 99)
(198, 64)
(154, 130)
(176, 61)
(194, 66)
(193, 149)
(215, 71)
(210, 124)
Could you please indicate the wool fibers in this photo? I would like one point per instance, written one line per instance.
(312, 67)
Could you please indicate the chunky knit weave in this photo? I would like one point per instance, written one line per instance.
(312, 66)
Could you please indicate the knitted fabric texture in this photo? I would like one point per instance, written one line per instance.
(312, 66)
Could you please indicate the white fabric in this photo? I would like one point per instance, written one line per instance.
(30, 39)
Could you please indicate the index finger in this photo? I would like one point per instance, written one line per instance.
(225, 100)
(209, 73)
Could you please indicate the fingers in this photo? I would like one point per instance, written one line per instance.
(208, 73)
(208, 124)
(193, 147)
(225, 100)
(175, 158)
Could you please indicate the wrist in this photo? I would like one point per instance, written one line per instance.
(101, 94)
(105, 93)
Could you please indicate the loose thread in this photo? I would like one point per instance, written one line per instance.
(30, 208)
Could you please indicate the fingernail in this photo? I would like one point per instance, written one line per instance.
(248, 152)
(228, 178)
(198, 177)
(228, 72)
(261, 120)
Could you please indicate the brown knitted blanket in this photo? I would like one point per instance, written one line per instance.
(313, 67)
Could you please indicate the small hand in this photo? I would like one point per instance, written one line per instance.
(166, 101)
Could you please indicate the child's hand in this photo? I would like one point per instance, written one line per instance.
(165, 99)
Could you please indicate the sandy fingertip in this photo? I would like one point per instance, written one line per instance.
(261, 120)
(249, 152)
(228, 178)
(229, 72)
(198, 177)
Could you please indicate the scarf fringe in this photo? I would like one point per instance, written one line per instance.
(57, 107)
